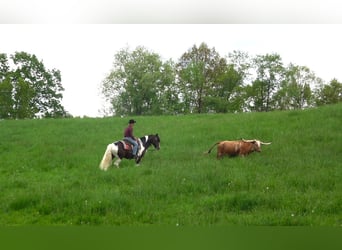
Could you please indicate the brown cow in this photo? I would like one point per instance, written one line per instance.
(241, 147)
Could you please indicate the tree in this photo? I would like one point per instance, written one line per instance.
(140, 83)
(201, 81)
(226, 95)
(330, 93)
(193, 86)
(295, 91)
(27, 89)
(269, 74)
(242, 64)
(6, 102)
(199, 70)
(168, 91)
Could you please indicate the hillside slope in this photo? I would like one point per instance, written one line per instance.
(49, 171)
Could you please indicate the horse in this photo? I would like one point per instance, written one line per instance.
(117, 149)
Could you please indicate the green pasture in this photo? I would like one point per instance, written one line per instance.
(49, 171)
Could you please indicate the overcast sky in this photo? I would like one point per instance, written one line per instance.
(82, 41)
(170, 11)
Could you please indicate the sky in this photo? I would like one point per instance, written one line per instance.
(82, 41)
(170, 11)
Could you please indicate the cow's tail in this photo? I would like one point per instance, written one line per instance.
(212, 147)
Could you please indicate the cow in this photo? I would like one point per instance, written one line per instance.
(238, 148)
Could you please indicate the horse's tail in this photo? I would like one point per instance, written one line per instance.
(212, 147)
(107, 158)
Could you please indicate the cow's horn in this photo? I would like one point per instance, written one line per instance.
(249, 140)
(265, 143)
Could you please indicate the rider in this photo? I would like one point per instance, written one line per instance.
(128, 135)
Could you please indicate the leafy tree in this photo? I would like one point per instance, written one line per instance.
(6, 102)
(242, 64)
(226, 95)
(168, 91)
(28, 90)
(269, 75)
(140, 83)
(258, 97)
(199, 70)
(24, 106)
(295, 91)
(329, 93)
(202, 81)
(4, 67)
(193, 86)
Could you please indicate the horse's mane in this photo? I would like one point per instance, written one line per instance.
(144, 139)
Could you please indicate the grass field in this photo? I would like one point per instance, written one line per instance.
(49, 171)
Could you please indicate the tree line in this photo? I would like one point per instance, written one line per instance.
(141, 83)
(28, 89)
(202, 81)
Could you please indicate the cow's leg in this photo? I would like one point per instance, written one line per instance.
(219, 155)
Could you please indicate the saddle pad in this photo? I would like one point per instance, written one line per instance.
(127, 145)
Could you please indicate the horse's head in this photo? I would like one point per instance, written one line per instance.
(154, 140)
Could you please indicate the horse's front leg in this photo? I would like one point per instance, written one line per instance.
(137, 161)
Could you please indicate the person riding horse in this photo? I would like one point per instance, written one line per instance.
(117, 150)
(128, 136)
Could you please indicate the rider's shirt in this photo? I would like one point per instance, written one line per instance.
(129, 132)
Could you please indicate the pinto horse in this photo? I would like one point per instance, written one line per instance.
(117, 149)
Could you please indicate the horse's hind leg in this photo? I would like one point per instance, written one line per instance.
(117, 162)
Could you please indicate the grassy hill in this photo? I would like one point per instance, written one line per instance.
(49, 171)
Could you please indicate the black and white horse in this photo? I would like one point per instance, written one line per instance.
(117, 149)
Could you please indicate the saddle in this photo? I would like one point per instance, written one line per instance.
(127, 145)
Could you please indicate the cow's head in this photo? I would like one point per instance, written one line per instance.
(256, 144)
